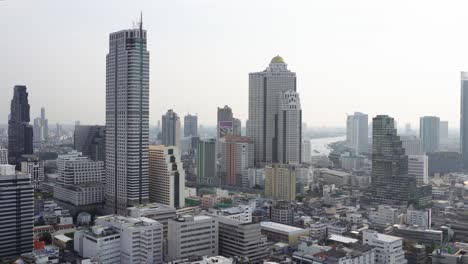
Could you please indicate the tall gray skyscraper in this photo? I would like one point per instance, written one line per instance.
(265, 89)
(443, 134)
(464, 119)
(429, 132)
(20, 132)
(91, 141)
(289, 128)
(357, 131)
(41, 127)
(127, 124)
(190, 125)
(171, 129)
(206, 162)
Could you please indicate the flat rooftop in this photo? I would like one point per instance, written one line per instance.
(343, 239)
(281, 227)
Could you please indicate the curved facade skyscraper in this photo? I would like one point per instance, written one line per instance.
(127, 124)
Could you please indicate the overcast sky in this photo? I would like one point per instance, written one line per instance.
(401, 58)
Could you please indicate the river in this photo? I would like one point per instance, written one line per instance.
(319, 145)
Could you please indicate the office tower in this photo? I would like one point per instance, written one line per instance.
(41, 127)
(236, 127)
(140, 238)
(237, 156)
(127, 124)
(443, 134)
(243, 240)
(464, 119)
(45, 125)
(3, 156)
(81, 180)
(357, 132)
(412, 145)
(390, 181)
(206, 162)
(171, 129)
(59, 131)
(166, 176)
(20, 132)
(226, 125)
(418, 167)
(306, 155)
(265, 89)
(280, 182)
(32, 166)
(90, 141)
(191, 236)
(389, 248)
(190, 126)
(429, 133)
(17, 207)
(289, 129)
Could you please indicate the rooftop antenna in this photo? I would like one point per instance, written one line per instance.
(141, 21)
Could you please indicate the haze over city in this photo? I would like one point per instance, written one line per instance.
(401, 58)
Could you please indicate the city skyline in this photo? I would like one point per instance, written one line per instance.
(322, 61)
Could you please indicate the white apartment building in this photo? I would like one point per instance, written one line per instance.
(421, 218)
(241, 213)
(102, 244)
(166, 176)
(192, 236)
(35, 169)
(75, 169)
(84, 194)
(418, 167)
(385, 215)
(306, 151)
(141, 239)
(389, 249)
(289, 128)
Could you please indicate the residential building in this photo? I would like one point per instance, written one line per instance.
(127, 120)
(237, 156)
(385, 215)
(159, 212)
(265, 90)
(171, 129)
(34, 168)
(421, 218)
(17, 212)
(140, 238)
(357, 132)
(282, 212)
(99, 243)
(389, 249)
(429, 133)
(289, 129)
(3, 156)
(190, 126)
(20, 132)
(312, 253)
(418, 167)
(206, 162)
(306, 148)
(280, 182)
(192, 236)
(166, 176)
(90, 141)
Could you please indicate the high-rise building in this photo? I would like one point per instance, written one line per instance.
(226, 125)
(306, 155)
(418, 167)
(41, 127)
(20, 132)
(91, 141)
(141, 239)
(127, 120)
(237, 156)
(3, 156)
(357, 132)
(170, 129)
(280, 182)
(289, 129)
(206, 162)
(443, 134)
(190, 125)
(17, 212)
(236, 127)
(464, 119)
(265, 89)
(391, 183)
(412, 145)
(429, 133)
(192, 236)
(166, 176)
(45, 125)
(34, 168)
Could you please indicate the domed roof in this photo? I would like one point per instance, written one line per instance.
(277, 59)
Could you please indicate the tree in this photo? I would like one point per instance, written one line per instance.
(46, 237)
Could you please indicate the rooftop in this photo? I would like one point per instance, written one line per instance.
(342, 239)
(280, 227)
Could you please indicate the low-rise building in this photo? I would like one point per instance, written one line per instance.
(389, 249)
(100, 243)
(277, 232)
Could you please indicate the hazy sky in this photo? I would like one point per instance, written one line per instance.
(401, 58)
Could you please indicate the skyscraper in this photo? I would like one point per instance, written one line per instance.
(390, 181)
(17, 210)
(171, 129)
(91, 141)
(280, 182)
(464, 119)
(166, 176)
(206, 162)
(289, 127)
(429, 133)
(41, 127)
(357, 132)
(33, 167)
(20, 132)
(127, 124)
(190, 126)
(443, 134)
(265, 89)
(237, 156)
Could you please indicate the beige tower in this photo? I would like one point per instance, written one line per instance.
(280, 182)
